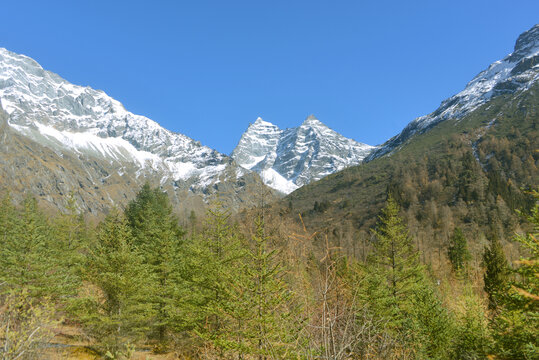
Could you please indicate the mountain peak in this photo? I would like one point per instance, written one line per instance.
(516, 72)
(312, 120)
(288, 159)
(527, 44)
(261, 124)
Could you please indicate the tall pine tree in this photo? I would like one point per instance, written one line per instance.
(271, 329)
(214, 271)
(115, 311)
(516, 326)
(400, 293)
(158, 237)
(458, 251)
(497, 271)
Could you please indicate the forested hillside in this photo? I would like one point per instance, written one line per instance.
(473, 173)
(137, 285)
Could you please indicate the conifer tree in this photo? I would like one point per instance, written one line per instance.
(471, 338)
(458, 251)
(70, 238)
(215, 304)
(516, 327)
(158, 237)
(496, 272)
(394, 258)
(399, 291)
(271, 329)
(115, 312)
(25, 255)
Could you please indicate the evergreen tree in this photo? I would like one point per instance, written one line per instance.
(399, 292)
(271, 327)
(216, 307)
(471, 338)
(496, 272)
(115, 312)
(70, 238)
(458, 251)
(516, 327)
(158, 237)
(26, 261)
(394, 260)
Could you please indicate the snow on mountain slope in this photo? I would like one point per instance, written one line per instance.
(516, 72)
(288, 159)
(43, 106)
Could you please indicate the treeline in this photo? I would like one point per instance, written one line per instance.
(253, 288)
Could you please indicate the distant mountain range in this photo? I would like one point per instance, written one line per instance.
(58, 138)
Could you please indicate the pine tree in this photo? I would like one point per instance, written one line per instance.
(70, 238)
(458, 251)
(399, 291)
(216, 306)
(115, 311)
(472, 337)
(496, 272)
(516, 327)
(158, 236)
(394, 258)
(26, 261)
(271, 328)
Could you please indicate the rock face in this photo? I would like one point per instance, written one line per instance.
(288, 159)
(516, 72)
(86, 128)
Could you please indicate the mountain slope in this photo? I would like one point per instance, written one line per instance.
(90, 126)
(288, 159)
(516, 72)
(471, 171)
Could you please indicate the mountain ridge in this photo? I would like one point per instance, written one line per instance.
(290, 158)
(517, 71)
(92, 127)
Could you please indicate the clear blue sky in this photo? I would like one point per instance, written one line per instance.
(208, 68)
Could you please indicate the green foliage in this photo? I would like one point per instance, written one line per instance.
(399, 291)
(71, 236)
(25, 325)
(394, 257)
(472, 336)
(496, 272)
(215, 304)
(115, 311)
(516, 326)
(158, 238)
(458, 251)
(28, 260)
(273, 327)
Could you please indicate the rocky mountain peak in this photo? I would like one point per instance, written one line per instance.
(92, 127)
(290, 158)
(516, 72)
(526, 45)
(312, 121)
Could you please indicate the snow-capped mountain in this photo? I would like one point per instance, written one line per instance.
(288, 159)
(516, 72)
(88, 123)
